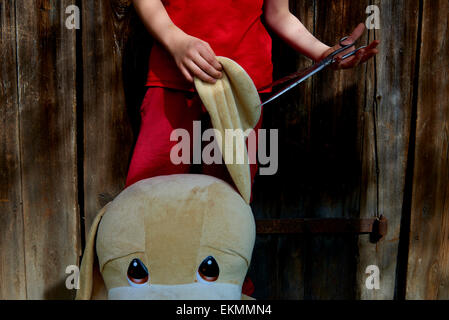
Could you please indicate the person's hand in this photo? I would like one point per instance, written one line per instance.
(361, 56)
(195, 57)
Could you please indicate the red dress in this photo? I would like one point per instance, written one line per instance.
(233, 29)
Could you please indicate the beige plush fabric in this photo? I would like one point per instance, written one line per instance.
(87, 265)
(232, 103)
(190, 291)
(171, 223)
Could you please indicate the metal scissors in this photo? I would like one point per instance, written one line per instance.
(303, 75)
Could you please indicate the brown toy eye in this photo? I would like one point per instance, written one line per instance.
(137, 273)
(208, 270)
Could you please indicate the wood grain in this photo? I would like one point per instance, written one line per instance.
(12, 260)
(283, 277)
(295, 111)
(385, 123)
(46, 95)
(428, 268)
(333, 169)
(107, 130)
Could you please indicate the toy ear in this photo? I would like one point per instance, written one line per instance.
(87, 274)
(233, 103)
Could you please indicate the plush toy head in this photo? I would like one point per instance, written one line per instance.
(182, 236)
(193, 237)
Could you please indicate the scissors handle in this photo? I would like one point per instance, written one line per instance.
(343, 47)
(330, 59)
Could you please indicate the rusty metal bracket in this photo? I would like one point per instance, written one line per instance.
(376, 227)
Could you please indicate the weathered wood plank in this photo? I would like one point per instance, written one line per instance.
(46, 77)
(107, 131)
(278, 263)
(295, 111)
(333, 169)
(428, 269)
(12, 261)
(136, 53)
(385, 142)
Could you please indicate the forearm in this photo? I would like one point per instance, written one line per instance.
(158, 23)
(292, 31)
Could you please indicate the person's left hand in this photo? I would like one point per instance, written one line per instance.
(361, 56)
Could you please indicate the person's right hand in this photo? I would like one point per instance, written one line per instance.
(195, 57)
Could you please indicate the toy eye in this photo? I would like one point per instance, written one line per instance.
(208, 270)
(137, 274)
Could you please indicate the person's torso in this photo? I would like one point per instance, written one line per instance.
(231, 27)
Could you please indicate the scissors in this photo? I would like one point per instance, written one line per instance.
(303, 75)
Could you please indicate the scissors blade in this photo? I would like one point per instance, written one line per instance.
(302, 76)
(305, 74)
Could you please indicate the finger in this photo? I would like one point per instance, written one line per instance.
(373, 45)
(344, 64)
(186, 73)
(357, 33)
(346, 52)
(355, 61)
(349, 62)
(209, 55)
(199, 73)
(206, 66)
(368, 52)
(337, 63)
(369, 55)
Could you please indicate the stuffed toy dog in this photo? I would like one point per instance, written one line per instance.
(180, 236)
